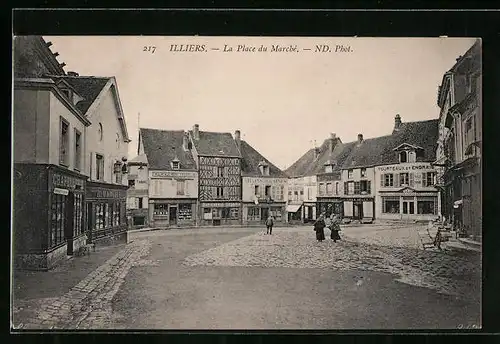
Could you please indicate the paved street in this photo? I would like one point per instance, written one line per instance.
(240, 278)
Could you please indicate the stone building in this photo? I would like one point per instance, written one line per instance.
(138, 192)
(458, 153)
(264, 187)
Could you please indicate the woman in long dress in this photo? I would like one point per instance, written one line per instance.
(335, 227)
(319, 228)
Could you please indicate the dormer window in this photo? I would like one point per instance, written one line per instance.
(67, 93)
(350, 174)
(408, 153)
(403, 156)
(329, 166)
(264, 168)
(176, 165)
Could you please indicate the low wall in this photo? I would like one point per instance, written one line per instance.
(41, 260)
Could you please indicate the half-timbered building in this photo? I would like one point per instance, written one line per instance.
(218, 161)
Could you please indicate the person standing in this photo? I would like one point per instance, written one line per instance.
(269, 224)
(319, 228)
(335, 227)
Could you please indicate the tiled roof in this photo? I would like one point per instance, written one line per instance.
(250, 162)
(215, 144)
(138, 160)
(301, 166)
(163, 146)
(88, 87)
(380, 150)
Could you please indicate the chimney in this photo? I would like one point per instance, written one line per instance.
(71, 73)
(196, 132)
(397, 122)
(360, 139)
(185, 142)
(237, 138)
(316, 152)
(331, 143)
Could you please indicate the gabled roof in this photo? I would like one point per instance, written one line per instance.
(163, 146)
(141, 159)
(301, 166)
(251, 159)
(89, 87)
(215, 144)
(380, 150)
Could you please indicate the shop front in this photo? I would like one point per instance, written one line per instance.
(360, 209)
(48, 217)
(256, 213)
(329, 205)
(106, 213)
(294, 211)
(309, 212)
(220, 213)
(165, 213)
(409, 205)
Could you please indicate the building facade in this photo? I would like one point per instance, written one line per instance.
(218, 161)
(138, 192)
(264, 187)
(172, 178)
(460, 143)
(359, 193)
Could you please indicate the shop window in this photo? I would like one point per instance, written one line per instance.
(180, 187)
(162, 209)
(78, 215)
(58, 220)
(64, 143)
(276, 213)
(99, 164)
(116, 214)
(403, 157)
(100, 215)
(363, 172)
(387, 179)
(234, 213)
(185, 212)
(78, 150)
(329, 188)
(253, 213)
(350, 174)
(404, 179)
(390, 205)
(426, 207)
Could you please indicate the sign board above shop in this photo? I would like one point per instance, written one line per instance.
(173, 174)
(405, 167)
(59, 191)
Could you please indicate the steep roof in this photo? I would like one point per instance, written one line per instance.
(89, 87)
(380, 150)
(215, 144)
(163, 146)
(301, 166)
(250, 162)
(141, 159)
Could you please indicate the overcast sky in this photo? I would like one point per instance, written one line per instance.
(281, 101)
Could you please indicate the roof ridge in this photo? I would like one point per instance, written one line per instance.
(156, 129)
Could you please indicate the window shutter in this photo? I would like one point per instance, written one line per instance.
(368, 187)
(345, 188)
(397, 179)
(382, 179)
(424, 179)
(411, 178)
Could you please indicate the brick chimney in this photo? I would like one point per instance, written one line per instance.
(360, 139)
(331, 143)
(397, 122)
(237, 138)
(185, 142)
(196, 132)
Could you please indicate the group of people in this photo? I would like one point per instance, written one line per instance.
(333, 223)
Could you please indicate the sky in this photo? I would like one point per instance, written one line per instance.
(282, 102)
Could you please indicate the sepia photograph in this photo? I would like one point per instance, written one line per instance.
(246, 183)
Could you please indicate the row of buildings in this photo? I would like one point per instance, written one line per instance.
(70, 146)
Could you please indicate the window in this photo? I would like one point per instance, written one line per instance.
(309, 196)
(160, 209)
(66, 93)
(404, 179)
(365, 187)
(267, 191)
(220, 192)
(390, 205)
(328, 168)
(116, 214)
(139, 202)
(99, 164)
(175, 165)
(336, 188)
(131, 183)
(118, 178)
(426, 207)
(428, 178)
(253, 213)
(357, 188)
(78, 150)
(100, 215)
(329, 188)
(265, 170)
(64, 143)
(180, 187)
(322, 189)
(363, 172)
(281, 192)
(234, 213)
(387, 179)
(276, 213)
(403, 157)
(99, 132)
(220, 171)
(58, 220)
(78, 214)
(469, 131)
(349, 174)
(257, 191)
(411, 156)
(350, 188)
(185, 212)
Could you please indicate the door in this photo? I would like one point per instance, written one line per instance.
(69, 225)
(408, 209)
(358, 211)
(264, 213)
(172, 215)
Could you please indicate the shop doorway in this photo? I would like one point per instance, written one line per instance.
(264, 213)
(358, 211)
(172, 216)
(69, 225)
(408, 209)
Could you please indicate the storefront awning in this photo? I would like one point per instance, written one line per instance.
(293, 208)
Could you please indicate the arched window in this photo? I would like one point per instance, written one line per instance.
(403, 157)
(99, 132)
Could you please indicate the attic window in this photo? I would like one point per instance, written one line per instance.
(403, 156)
(264, 168)
(175, 165)
(66, 93)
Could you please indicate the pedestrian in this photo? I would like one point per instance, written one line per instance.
(335, 227)
(269, 224)
(319, 228)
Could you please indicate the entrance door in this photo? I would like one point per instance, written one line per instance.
(264, 213)
(358, 211)
(172, 215)
(408, 209)
(69, 225)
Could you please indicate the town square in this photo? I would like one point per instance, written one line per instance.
(168, 187)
